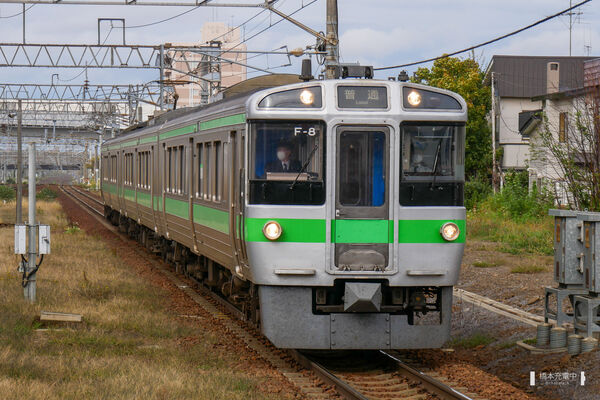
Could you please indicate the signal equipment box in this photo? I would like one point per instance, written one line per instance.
(568, 248)
(591, 249)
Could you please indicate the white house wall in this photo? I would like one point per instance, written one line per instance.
(516, 148)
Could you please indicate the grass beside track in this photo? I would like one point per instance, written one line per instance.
(131, 344)
(533, 236)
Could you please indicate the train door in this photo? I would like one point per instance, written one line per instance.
(237, 140)
(362, 227)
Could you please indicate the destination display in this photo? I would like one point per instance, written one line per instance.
(362, 97)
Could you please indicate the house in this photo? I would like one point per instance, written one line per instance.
(517, 83)
(562, 112)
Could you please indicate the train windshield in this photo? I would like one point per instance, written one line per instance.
(287, 162)
(432, 158)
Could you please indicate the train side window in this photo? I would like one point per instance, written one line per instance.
(128, 169)
(169, 172)
(181, 189)
(199, 181)
(207, 172)
(218, 168)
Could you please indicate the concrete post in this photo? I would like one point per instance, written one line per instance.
(30, 287)
(19, 216)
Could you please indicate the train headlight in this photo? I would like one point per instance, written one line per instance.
(414, 98)
(307, 97)
(272, 230)
(450, 231)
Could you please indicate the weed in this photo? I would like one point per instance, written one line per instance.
(532, 341)
(47, 194)
(72, 229)
(7, 194)
(470, 342)
(506, 345)
(484, 264)
(527, 269)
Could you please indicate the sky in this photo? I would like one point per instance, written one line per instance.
(376, 32)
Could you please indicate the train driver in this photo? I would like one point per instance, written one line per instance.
(284, 162)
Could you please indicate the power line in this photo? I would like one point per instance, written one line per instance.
(17, 14)
(541, 21)
(275, 23)
(162, 20)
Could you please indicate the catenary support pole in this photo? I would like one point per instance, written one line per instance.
(332, 47)
(19, 216)
(30, 286)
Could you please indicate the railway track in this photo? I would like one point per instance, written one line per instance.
(362, 375)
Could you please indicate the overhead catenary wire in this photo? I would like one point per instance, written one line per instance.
(275, 23)
(497, 39)
(19, 13)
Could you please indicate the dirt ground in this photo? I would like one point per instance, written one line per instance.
(498, 353)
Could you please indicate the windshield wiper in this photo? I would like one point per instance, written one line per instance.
(436, 163)
(310, 156)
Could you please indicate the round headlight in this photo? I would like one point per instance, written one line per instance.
(414, 98)
(272, 230)
(307, 97)
(450, 231)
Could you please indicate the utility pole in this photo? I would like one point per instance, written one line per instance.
(30, 284)
(332, 59)
(494, 169)
(24, 23)
(19, 219)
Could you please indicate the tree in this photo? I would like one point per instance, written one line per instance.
(465, 77)
(568, 147)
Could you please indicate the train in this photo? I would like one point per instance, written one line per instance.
(329, 212)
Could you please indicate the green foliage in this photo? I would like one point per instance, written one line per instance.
(575, 156)
(477, 190)
(517, 202)
(465, 77)
(72, 229)
(515, 218)
(7, 193)
(47, 194)
(11, 181)
(475, 340)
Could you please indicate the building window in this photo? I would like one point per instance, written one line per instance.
(563, 127)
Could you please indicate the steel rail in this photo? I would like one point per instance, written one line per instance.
(80, 201)
(89, 196)
(343, 388)
(431, 384)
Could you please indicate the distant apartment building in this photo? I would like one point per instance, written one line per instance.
(218, 65)
(520, 84)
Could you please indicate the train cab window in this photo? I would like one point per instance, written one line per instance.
(287, 162)
(362, 168)
(432, 165)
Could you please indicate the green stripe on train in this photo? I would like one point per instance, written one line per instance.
(353, 231)
(179, 131)
(223, 121)
(427, 231)
(362, 231)
(305, 230)
(294, 230)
